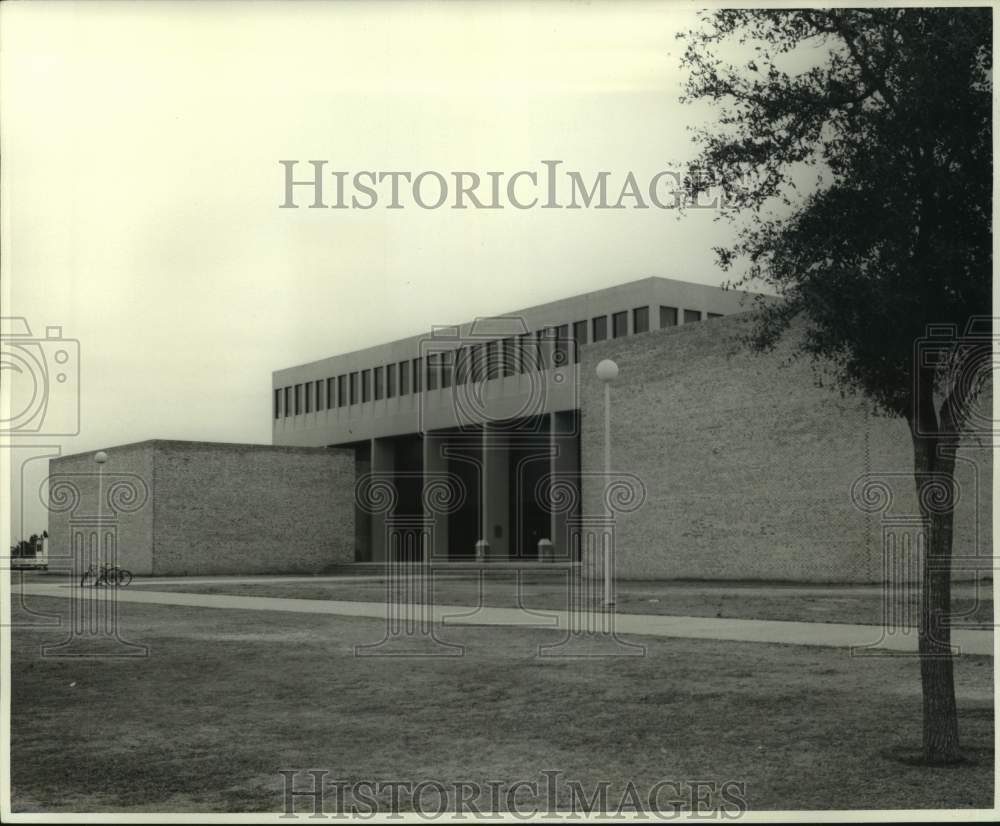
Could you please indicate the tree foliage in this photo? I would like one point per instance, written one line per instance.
(30, 547)
(886, 114)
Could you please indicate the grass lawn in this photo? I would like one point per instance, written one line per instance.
(805, 603)
(227, 698)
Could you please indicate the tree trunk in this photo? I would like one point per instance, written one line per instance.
(935, 480)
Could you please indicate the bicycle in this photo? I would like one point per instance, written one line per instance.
(106, 575)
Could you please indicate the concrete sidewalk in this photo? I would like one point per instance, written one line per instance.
(829, 635)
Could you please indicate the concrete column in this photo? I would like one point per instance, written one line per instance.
(383, 462)
(436, 466)
(565, 467)
(362, 518)
(496, 494)
(484, 484)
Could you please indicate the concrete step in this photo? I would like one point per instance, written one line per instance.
(446, 566)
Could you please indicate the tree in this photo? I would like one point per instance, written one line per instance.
(886, 112)
(30, 547)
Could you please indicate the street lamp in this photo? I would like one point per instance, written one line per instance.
(100, 458)
(607, 372)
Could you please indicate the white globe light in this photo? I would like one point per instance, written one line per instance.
(607, 370)
(100, 457)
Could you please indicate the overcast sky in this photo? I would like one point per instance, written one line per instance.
(140, 146)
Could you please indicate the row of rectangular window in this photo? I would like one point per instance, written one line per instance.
(489, 360)
(668, 316)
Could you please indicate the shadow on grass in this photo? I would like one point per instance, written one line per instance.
(914, 756)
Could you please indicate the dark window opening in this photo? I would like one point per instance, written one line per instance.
(433, 371)
(478, 365)
(404, 378)
(579, 338)
(560, 354)
(640, 320)
(600, 328)
(509, 356)
(277, 403)
(447, 359)
(354, 387)
(366, 386)
(691, 316)
(418, 365)
(668, 317)
(541, 349)
(378, 384)
(390, 381)
(492, 359)
(619, 324)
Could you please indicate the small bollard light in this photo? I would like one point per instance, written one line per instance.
(545, 550)
(482, 551)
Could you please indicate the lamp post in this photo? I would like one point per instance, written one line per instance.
(100, 458)
(607, 372)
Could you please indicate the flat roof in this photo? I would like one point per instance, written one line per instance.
(561, 310)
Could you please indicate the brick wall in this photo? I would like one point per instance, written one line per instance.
(221, 508)
(251, 509)
(748, 464)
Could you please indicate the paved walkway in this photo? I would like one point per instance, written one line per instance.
(720, 587)
(57, 579)
(738, 630)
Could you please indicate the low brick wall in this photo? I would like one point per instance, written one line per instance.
(749, 465)
(217, 508)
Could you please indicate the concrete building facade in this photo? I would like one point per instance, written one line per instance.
(748, 469)
(489, 410)
(489, 440)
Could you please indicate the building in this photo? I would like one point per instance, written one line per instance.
(178, 508)
(491, 406)
(487, 440)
